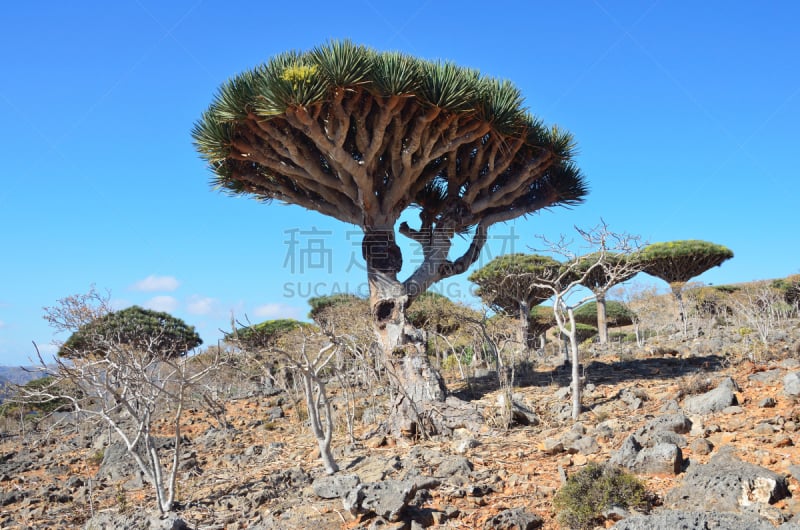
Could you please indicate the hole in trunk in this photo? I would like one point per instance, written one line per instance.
(383, 311)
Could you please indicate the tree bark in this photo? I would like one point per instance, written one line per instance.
(677, 291)
(421, 388)
(602, 319)
(524, 324)
(576, 365)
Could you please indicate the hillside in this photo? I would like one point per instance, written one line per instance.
(708, 420)
(13, 375)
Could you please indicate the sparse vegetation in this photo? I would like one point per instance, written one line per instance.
(590, 491)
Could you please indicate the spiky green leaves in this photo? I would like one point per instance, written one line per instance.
(302, 79)
(501, 104)
(342, 63)
(361, 136)
(448, 86)
(680, 261)
(395, 74)
(289, 79)
(507, 281)
(151, 333)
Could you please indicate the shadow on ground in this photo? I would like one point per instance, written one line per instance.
(596, 372)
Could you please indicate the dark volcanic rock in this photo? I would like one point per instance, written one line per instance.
(727, 484)
(714, 400)
(675, 520)
(515, 519)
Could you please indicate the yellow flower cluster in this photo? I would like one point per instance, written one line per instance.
(298, 73)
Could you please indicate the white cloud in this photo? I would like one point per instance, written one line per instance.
(167, 304)
(277, 311)
(201, 305)
(156, 283)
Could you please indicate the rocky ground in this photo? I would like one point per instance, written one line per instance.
(713, 439)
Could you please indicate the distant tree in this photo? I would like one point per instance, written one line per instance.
(565, 282)
(125, 369)
(790, 287)
(362, 136)
(307, 353)
(155, 332)
(651, 312)
(677, 262)
(761, 307)
(320, 304)
(541, 319)
(613, 269)
(583, 332)
(263, 335)
(436, 313)
(507, 284)
(617, 313)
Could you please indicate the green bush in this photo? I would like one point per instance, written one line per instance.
(320, 303)
(584, 332)
(617, 314)
(46, 383)
(790, 287)
(619, 336)
(150, 331)
(265, 334)
(581, 502)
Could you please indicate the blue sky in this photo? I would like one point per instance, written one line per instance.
(685, 114)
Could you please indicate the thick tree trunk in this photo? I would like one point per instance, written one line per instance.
(602, 319)
(576, 366)
(421, 390)
(524, 324)
(677, 291)
(420, 387)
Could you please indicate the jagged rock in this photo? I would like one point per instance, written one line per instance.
(791, 384)
(465, 444)
(334, 486)
(118, 464)
(701, 446)
(275, 413)
(454, 466)
(766, 377)
(727, 484)
(714, 400)
(135, 521)
(663, 458)
(514, 519)
(387, 499)
(552, 446)
(585, 445)
(673, 520)
(767, 403)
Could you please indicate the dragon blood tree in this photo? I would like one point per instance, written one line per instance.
(507, 284)
(361, 136)
(677, 262)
